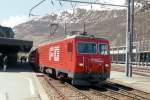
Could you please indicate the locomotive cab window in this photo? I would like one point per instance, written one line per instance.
(70, 47)
(103, 49)
(84, 47)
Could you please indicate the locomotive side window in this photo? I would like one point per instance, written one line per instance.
(84, 47)
(70, 47)
(103, 49)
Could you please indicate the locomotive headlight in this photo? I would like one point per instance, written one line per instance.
(81, 64)
(107, 65)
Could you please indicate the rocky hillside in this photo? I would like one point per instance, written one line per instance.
(110, 24)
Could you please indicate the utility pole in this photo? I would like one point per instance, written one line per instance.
(84, 28)
(65, 27)
(132, 32)
(129, 38)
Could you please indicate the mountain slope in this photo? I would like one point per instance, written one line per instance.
(110, 24)
(107, 24)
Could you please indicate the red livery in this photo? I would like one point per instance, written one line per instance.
(83, 59)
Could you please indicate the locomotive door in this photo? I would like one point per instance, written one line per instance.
(69, 51)
(69, 56)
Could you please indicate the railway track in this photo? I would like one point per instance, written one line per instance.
(137, 71)
(53, 95)
(136, 67)
(115, 91)
(134, 93)
(110, 91)
(62, 91)
(141, 70)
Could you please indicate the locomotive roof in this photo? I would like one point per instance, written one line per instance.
(86, 36)
(69, 37)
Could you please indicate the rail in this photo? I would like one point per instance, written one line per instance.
(133, 93)
(113, 91)
(63, 90)
(135, 70)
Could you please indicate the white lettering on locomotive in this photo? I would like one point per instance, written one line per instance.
(54, 53)
(97, 60)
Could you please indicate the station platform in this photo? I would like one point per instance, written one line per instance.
(20, 83)
(136, 81)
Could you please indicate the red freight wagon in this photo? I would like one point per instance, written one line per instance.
(83, 59)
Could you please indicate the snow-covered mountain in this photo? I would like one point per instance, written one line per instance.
(107, 24)
(117, 2)
(110, 24)
(104, 7)
(140, 4)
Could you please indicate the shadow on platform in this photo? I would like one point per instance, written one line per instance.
(18, 67)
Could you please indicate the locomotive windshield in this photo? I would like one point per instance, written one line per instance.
(84, 47)
(103, 49)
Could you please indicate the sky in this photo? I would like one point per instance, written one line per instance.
(14, 12)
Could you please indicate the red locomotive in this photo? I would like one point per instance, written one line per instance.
(82, 58)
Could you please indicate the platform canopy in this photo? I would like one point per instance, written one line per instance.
(14, 45)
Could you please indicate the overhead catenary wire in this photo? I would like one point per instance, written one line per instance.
(52, 2)
(60, 3)
(73, 7)
(35, 7)
(97, 3)
(74, 1)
